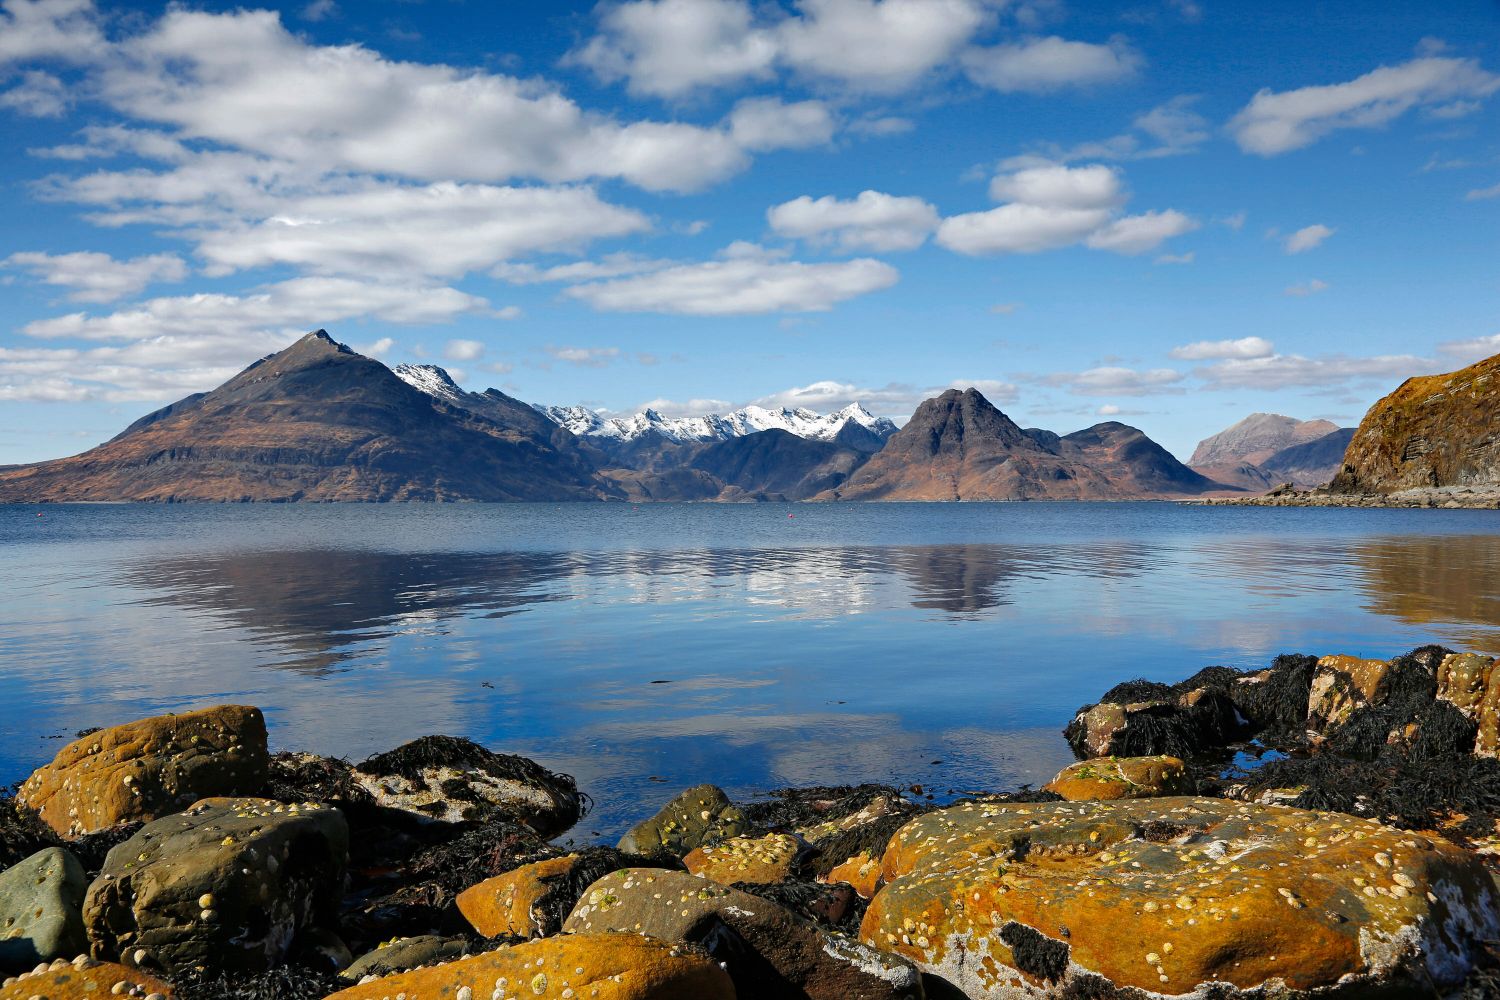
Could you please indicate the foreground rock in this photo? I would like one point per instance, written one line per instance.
(83, 978)
(1136, 720)
(1122, 778)
(149, 768)
(1471, 683)
(702, 814)
(599, 966)
(521, 903)
(769, 952)
(1171, 895)
(771, 858)
(229, 884)
(450, 780)
(41, 903)
(403, 954)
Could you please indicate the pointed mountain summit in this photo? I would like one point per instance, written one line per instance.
(315, 421)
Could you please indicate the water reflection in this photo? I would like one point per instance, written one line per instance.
(1450, 581)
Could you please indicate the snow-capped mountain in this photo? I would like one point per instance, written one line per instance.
(430, 379)
(717, 426)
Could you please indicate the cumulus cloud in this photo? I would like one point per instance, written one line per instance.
(669, 48)
(38, 95)
(687, 407)
(49, 29)
(871, 221)
(894, 399)
(463, 350)
(1471, 350)
(1177, 258)
(1274, 123)
(1044, 64)
(1307, 238)
(1051, 206)
(745, 282)
(1110, 380)
(98, 277)
(760, 124)
(1205, 350)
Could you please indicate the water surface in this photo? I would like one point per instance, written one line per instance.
(646, 648)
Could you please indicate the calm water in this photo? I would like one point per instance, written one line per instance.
(644, 649)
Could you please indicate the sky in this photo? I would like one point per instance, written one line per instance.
(1171, 213)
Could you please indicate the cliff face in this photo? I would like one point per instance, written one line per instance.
(1435, 430)
(313, 422)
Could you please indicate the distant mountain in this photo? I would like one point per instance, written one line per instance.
(1310, 464)
(1434, 430)
(958, 446)
(313, 422)
(851, 420)
(1257, 438)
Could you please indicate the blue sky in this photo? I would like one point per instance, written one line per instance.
(1169, 212)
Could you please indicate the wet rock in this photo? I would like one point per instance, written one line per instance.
(599, 966)
(1122, 778)
(1141, 719)
(227, 885)
(1472, 684)
(445, 779)
(149, 768)
(517, 903)
(832, 905)
(702, 814)
(41, 904)
(403, 954)
(1170, 895)
(861, 872)
(769, 952)
(1340, 686)
(83, 978)
(746, 859)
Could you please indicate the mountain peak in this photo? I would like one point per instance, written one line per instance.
(431, 379)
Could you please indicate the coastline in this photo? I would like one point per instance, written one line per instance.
(1481, 497)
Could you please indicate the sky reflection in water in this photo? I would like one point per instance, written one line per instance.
(937, 644)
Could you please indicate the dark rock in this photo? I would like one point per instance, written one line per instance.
(227, 885)
(41, 910)
(405, 953)
(700, 815)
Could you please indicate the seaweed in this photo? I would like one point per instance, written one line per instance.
(305, 777)
(22, 833)
(835, 906)
(871, 837)
(288, 982)
(791, 808)
(1034, 953)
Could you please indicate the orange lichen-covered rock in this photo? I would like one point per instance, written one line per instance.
(582, 966)
(1340, 685)
(516, 902)
(80, 979)
(1169, 895)
(862, 872)
(745, 859)
(1472, 683)
(150, 768)
(1122, 778)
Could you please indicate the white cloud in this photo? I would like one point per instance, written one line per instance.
(463, 350)
(1244, 347)
(1279, 371)
(871, 221)
(1481, 194)
(1274, 123)
(1306, 288)
(48, 29)
(320, 10)
(671, 48)
(1051, 206)
(1469, 351)
(379, 348)
(1110, 380)
(98, 277)
(688, 407)
(1136, 234)
(744, 283)
(1307, 238)
(1177, 258)
(760, 124)
(1175, 125)
(610, 266)
(585, 357)
(1045, 64)
(38, 95)
(896, 399)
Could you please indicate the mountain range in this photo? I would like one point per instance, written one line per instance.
(1268, 449)
(318, 421)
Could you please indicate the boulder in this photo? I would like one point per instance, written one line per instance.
(1173, 895)
(149, 768)
(746, 859)
(83, 979)
(861, 873)
(770, 953)
(702, 814)
(1472, 683)
(229, 884)
(404, 954)
(41, 910)
(444, 779)
(1122, 778)
(1165, 721)
(517, 903)
(595, 966)
(1340, 686)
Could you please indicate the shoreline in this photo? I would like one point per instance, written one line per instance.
(1485, 497)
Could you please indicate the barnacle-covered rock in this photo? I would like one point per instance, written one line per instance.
(1122, 778)
(149, 768)
(228, 884)
(83, 978)
(746, 859)
(1172, 895)
(702, 814)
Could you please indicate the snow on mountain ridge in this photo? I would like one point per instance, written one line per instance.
(429, 379)
(717, 426)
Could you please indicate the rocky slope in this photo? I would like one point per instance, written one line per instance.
(1310, 464)
(1267, 449)
(1257, 438)
(1433, 431)
(313, 422)
(958, 446)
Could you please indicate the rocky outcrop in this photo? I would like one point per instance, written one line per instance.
(446, 779)
(599, 966)
(769, 953)
(313, 422)
(41, 910)
(523, 903)
(149, 768)
(1186, 897)
(84, 978)
(1122, 778)
(701, 814)
(230, 883)
(1433, 431)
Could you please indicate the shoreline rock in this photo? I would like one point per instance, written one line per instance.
(1478, 497)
